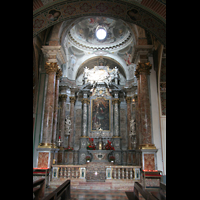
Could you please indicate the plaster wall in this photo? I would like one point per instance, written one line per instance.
(156, 139)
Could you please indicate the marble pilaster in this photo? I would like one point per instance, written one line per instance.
(51, 69)
(72, 102)
(63, 98)
(85, 103)
(143, 69)
(128, 101)
(58, 75)
(115, 102)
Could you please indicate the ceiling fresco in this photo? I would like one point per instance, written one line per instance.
(129, 11)
(85, 30)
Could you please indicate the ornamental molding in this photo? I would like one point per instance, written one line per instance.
(142, 50)
(54, 53)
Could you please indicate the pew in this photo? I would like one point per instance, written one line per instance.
(139, 189)
(161, 195)
(62, 191)
(39, 191)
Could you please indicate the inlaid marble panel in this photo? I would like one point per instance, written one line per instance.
(43, 158)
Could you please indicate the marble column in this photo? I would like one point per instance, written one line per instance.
(85, 103)
(58, 75)
(51, 69)
(143, 69)
(72, 102)
(137, 119)
(115, 103)
(63, 98)
(128, 101)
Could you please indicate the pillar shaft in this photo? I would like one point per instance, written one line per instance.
(143, 69)
(58, 75)
(51, 69)
(63, 98)
(72, 102)
(128, 101)
(85, 102)
(116, 116)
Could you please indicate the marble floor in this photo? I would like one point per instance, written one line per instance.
(93, 194)
(98, 195)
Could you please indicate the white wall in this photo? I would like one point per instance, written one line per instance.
(155, 129)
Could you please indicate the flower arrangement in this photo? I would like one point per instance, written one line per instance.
(108, 146)
(69, 148)
(112, 158)
(88, 158)
(91, 145)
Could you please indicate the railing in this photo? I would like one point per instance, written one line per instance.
(68, 171)
(39, 191)
(123, 172)
(112, 172)
(62, 191)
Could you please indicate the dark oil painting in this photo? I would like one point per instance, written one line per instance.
(100, 114)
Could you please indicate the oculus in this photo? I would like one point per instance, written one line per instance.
(101, 32)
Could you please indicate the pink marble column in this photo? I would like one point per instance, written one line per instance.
(138, 124)
(63, 98)
(51, 69)
(72, 102)
(128, 101)
(55, 117)
(143, 69)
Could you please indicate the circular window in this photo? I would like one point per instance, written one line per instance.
(101, 33)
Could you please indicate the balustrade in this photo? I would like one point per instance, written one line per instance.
(68, 171)
(123, 172)
(112, 172)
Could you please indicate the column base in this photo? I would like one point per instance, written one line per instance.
(45, 145)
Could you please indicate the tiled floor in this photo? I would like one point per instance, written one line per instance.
(98, 195)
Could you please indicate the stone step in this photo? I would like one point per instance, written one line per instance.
(113, 184)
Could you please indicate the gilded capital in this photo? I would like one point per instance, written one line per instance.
(85, 100)
(115, 101)
(63, 96)
(143, 67)
(59, 73)
(51, 67)
(72, 99)
(128, 99)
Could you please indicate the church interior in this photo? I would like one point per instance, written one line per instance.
(99, 94)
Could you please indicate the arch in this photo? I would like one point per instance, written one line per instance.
(129, 12)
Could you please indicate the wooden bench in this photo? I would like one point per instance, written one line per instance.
(62, 191)
(42, 172)
(161, 195)
(39, 191)
(139, 189)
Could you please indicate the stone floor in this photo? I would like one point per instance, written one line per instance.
(77, 194)
(98, 194)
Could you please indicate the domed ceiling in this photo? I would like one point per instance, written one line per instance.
(84, 47)
(84, 32)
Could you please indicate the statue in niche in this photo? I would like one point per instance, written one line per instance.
(72, 61)
(67, 127)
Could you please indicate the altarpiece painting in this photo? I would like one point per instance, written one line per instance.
(100, 112)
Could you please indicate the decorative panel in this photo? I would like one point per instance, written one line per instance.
(43, 158)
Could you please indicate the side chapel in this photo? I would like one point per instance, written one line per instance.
(99, 92)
